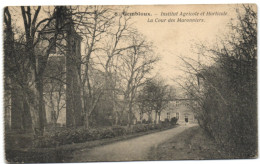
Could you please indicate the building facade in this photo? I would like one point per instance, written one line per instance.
(179, 108)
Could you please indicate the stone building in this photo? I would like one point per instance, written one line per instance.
(180, 109)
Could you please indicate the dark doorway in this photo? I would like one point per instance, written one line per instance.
(186, 119)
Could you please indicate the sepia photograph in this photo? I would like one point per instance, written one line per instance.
(110, 83)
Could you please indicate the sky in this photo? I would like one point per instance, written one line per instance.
(174, 39)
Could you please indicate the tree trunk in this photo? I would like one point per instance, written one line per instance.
(34, 88)
(149, 117)
(114, 109)
(84, 107)
(42, 113)
(141, 117)
(155, 121)
(116, 118)
(32, 105)
(17, 107)
(159, 114)
(27, 118)
(130, 114)
(73, 93)
(129, 118)
(86, 120)
(16, 110)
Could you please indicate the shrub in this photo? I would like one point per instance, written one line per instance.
(139, 128)
(107, 133)
(119, 130)
(174, 120)
(69, 135)
(166, 120)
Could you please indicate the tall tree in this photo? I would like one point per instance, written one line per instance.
(155, 96)
(136, 65)
(93, 26)
(10, 87)
(36, 29)
(115, 44)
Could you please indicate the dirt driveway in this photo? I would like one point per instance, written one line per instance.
(133, 149)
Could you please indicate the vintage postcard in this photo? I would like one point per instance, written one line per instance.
(130, 83)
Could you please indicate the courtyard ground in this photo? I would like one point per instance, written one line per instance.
(193, 143)
(135, 149)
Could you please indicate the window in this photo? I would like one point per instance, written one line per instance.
(186, 118)
(177, 115)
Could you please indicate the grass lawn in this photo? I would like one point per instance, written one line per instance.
(193, 143)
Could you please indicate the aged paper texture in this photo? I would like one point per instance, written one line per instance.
(130, 83)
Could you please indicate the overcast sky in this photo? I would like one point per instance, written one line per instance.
(173, 39)
(176, 38)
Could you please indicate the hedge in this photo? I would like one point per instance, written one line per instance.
(79, 135)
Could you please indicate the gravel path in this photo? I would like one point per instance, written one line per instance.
(135, 149)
